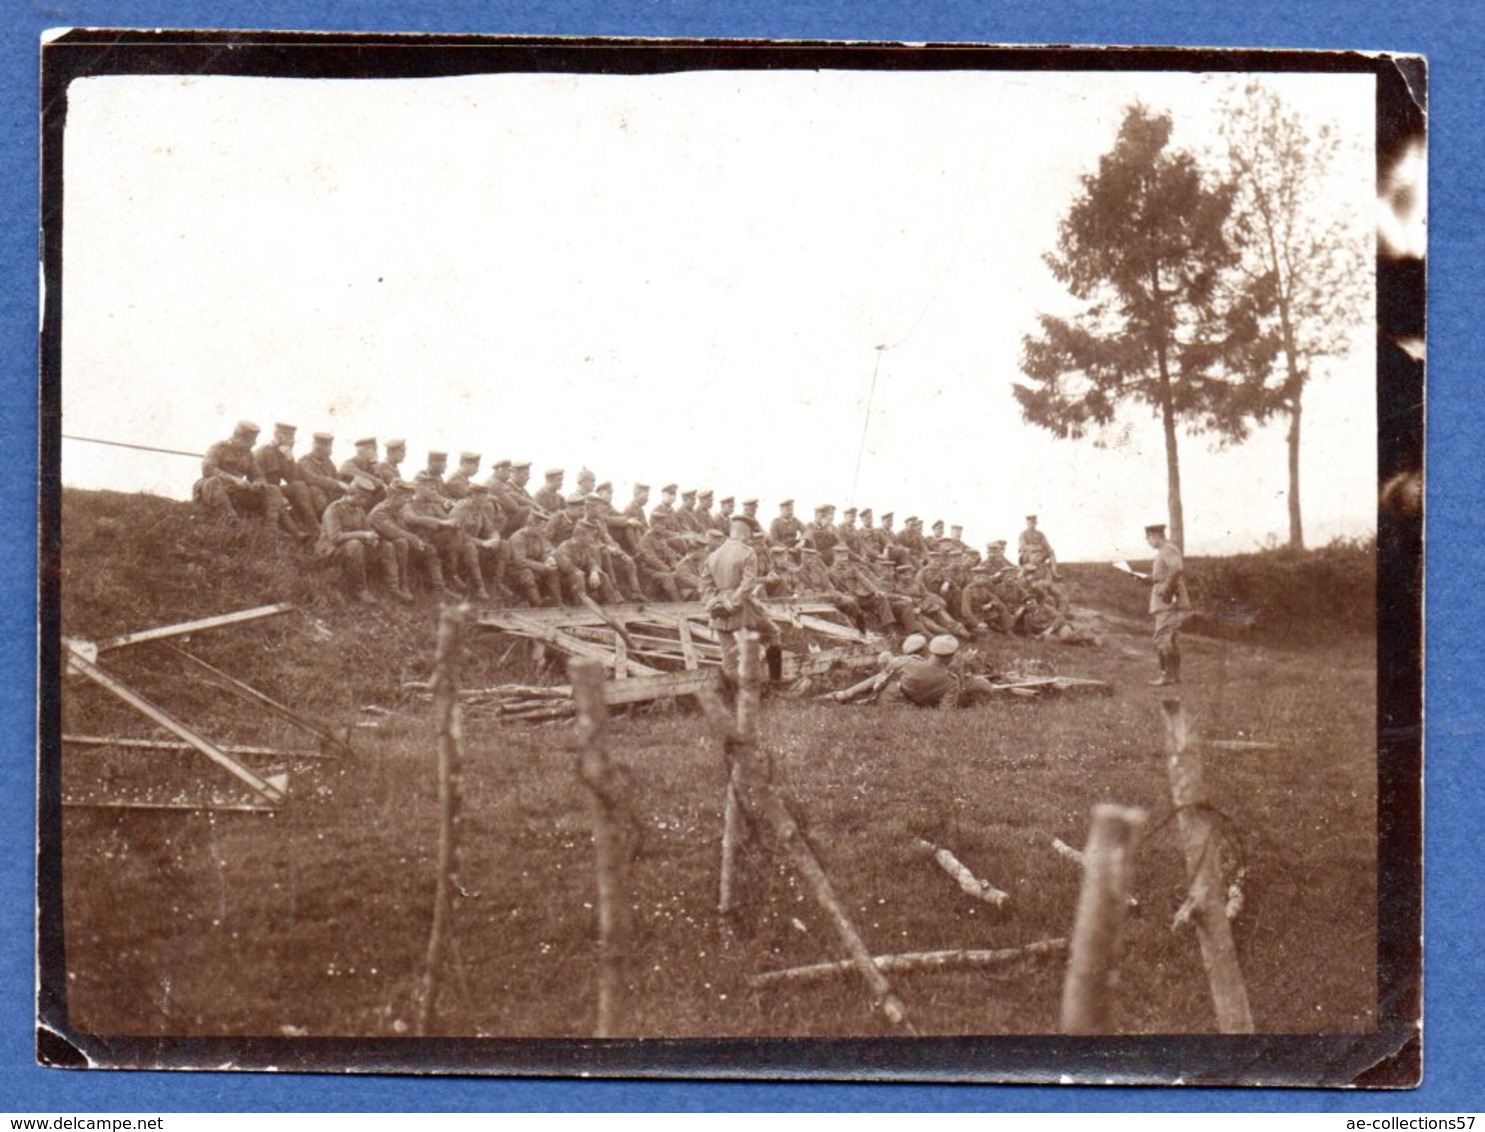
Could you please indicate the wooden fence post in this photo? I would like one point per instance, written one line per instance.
(1093, 958)
(750, 789)
(1207, 899)
(610, 846)
(448, 718)
(745, 743)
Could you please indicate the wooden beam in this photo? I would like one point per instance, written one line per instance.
(955, 959)
(133, 744)
(245, 691)
(164, 631)
(688, 645)
(227, 807)
(268, 791)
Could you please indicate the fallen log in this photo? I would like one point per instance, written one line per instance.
(952, 960)
(962, 876)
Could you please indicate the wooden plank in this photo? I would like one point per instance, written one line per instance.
(688, 643)
(260, 786)
(573, 646)
(245, 691)
(164, 631)
(621, 659)
(215, 807)
(641, 689)
(104, 741)
(632, 612)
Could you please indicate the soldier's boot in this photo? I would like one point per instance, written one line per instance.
(353, 572)
(436, 580)
(394, 567)
(1175, 665)
(472, 568)
(1165, 670)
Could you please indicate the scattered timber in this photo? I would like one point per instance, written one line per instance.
(961, 874)
(957, 959)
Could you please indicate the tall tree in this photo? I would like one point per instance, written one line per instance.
(1145, 248)
(1305, 255)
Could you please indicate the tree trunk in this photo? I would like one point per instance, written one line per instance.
(1296, 528)
(1172, 456)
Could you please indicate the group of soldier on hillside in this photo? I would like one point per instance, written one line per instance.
(493, 539)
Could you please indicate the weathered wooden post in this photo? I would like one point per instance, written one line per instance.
(755, 802)
(1207, 899)
(448, 718)
(1093, 957)
(744, 745)
(610, 846)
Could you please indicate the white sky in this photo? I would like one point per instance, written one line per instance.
(678, 277)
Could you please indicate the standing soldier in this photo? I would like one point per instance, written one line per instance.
(549, 496)
(347, 539)
(390, 466)
(1033, 549)
(530, 566)
(1170, 604)
(317, 467)
(457, 486)
(276, 465)
(727, 594)
(231, 483)
(396, 540)
(786, 530)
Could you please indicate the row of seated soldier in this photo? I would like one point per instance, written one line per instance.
(382, 533)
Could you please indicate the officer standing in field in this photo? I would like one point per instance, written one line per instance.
(1170, 604)
(727, 587)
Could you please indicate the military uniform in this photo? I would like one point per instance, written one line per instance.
(479, 523)
(1032, 547)
(530, 566)
(396, 540)
(389, 468)
(231, 483)
(276, 464)
(580, 562)
(347, 540)
(319, 474)
(786, 529)
(727, 592)
(457, 486)
(1170, 604)
(655, 563)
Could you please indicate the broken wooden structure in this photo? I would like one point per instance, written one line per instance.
(265, 792)
(653, 651)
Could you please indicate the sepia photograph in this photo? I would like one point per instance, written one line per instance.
(731, 559)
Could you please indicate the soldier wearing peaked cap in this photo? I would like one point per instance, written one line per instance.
(389, 468)
(786, 529)
(1033, 549)
(231, 484)
(728, 588)
(347, 539)
(520, 476)
(531, 564)
(514, 510)
(686, 515)
(580, 563)
(457, 485)
(1170, 603)
(397, 543)
(822, 534)
(317, 468)
(549, 496)
(275, 462)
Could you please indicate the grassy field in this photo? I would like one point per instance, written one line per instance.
(314, 919)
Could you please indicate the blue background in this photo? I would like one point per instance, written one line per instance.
(1451, 35)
